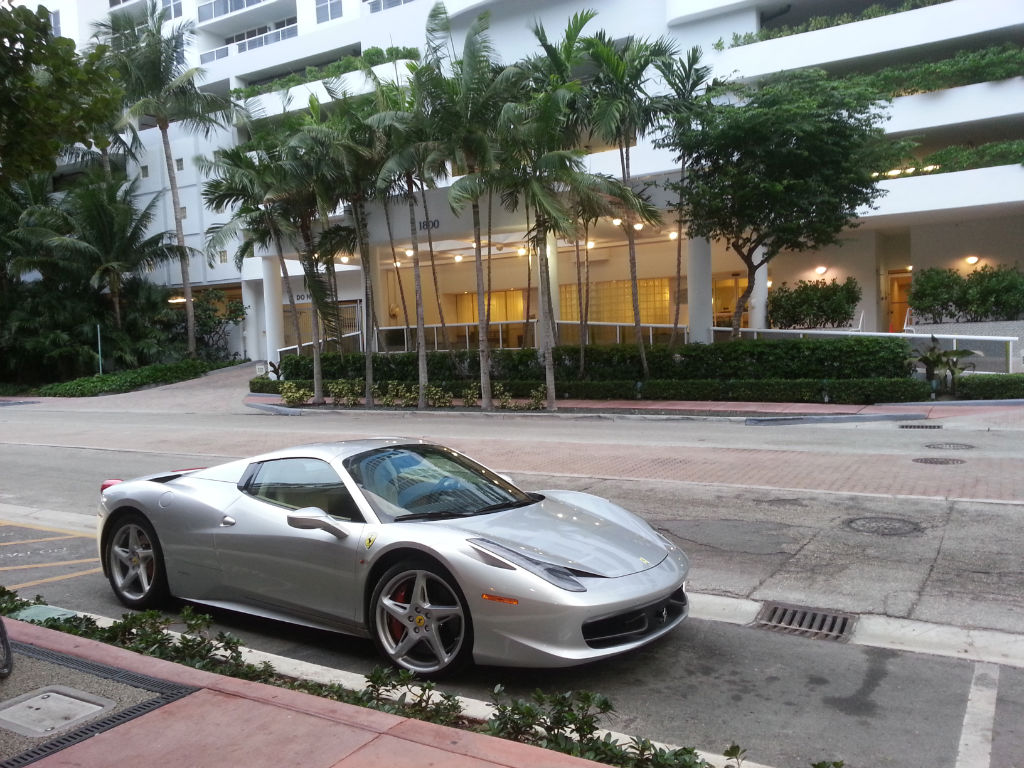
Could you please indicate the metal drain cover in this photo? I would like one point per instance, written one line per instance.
(48, 711)
(920, 426)
(805, 622)
(950, 446)
(883, 526)
(938, 460)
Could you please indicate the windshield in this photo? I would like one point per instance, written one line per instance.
(429, 481)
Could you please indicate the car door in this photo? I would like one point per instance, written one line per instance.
(265, 562)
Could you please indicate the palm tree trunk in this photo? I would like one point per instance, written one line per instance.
(679, 256)
(433, 269)
(579, 303)
(371, 314)
(544, 325)
(291, 294)
(309, 268)
(638, 333)
(179, 231)
(483, 343)
(421, 335)
(398, 275)
(529, 286)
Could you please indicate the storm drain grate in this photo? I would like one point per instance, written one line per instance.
(938, 460)
(950, 446)
(920, 426)
(805, 622)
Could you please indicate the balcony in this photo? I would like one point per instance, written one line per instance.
(376, 6)
(217, 8)
(275, 36)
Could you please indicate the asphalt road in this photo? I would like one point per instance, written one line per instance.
(789, 701)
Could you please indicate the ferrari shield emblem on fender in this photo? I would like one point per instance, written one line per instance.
(370, 539)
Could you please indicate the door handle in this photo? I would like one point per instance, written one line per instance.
(227, 521)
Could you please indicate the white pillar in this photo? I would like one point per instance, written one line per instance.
(252, 335)
(757, 307)
(698, 290)
(556, 304)
(273, 308)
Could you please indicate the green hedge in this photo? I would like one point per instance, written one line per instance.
(853, 357)
(125, 381)
(1005, 386)
(845, 391)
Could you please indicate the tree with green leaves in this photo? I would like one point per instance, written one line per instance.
(624, 112)
(51, 96)
(161, 90)
(783, 165)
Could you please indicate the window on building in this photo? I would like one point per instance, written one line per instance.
(179, 163)
(222, 257)
(55, 23)
(144, 171)
(183, 211)
(327, 10)
(174, 7)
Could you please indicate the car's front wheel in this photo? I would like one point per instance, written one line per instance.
(135, 563)
(420, 620)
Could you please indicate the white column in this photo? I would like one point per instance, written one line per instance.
(556, 304)
(252, 335)
(698, 290)
(273, 309)
(757, 309)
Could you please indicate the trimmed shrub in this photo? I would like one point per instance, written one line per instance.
(1003, 386)
(126, 381)
(817, 304)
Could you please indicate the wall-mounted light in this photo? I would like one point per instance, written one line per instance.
(821, 270)
(344, 259)
(521, 251)
(972, 260)
(673, 235)
(397, 264)
(769, 283)
(590, 244)
(638, 226)
(910, 267)
(409, 252)
(458, 257)
(617, 222)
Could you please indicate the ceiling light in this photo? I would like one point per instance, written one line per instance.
(458, 257)
(769, 283)
(638, 226)
(673, 235)
(344, 259)
(409, 252)
(821, 270)
(590, 244)
(176, 300)
(397, 264)
(617, 222)
(521, 251)
(972, 260)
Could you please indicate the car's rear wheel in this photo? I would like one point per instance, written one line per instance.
(135, 563)
(420, 620)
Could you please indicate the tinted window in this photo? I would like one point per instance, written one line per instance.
(298, 483)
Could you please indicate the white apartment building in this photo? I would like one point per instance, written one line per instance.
(934, 220)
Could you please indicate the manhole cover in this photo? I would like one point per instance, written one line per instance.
(920, 426)
(806, 622)
(938, 460)
(47, 711)
(950, 446)
(883, 526)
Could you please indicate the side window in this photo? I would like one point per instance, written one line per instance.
(298, 483)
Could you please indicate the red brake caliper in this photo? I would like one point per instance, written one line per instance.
(400, 595)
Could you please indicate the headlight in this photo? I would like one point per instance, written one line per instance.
(553, 574)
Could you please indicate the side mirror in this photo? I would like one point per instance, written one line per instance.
(315, 519)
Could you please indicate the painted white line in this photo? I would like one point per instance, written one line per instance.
(976, 736)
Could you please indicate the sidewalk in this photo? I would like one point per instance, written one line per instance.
(223, 722)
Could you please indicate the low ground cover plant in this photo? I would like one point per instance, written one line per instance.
(126, 381)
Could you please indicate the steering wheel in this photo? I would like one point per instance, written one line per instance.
(416, 492)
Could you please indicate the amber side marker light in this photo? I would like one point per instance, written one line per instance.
(500, 599)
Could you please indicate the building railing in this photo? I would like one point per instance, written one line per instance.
(275, 36)
(217, 8)
(376, 6)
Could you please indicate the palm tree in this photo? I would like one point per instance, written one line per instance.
(623, 112)
(161, 90)
(101, 224)
(686, 77)
(468, 99)
(249, 180)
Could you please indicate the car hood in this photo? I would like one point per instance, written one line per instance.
(593, 538)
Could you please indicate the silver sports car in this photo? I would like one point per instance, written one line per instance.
(432, 555)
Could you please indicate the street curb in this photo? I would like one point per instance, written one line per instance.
(766, 421)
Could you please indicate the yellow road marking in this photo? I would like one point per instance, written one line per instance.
(56, 578)
(35, 541)
(48, 565)
(48, 529)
